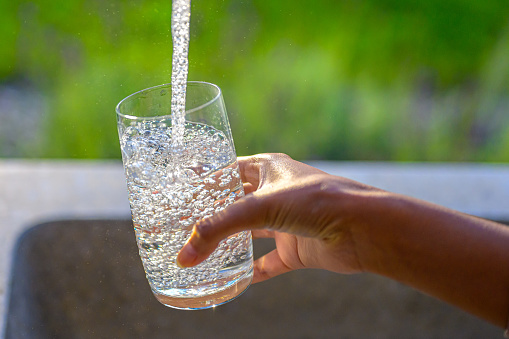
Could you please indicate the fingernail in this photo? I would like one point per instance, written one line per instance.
(186, 256)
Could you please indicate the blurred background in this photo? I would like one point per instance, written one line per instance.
(395, 80)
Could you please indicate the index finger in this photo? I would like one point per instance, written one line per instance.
(245, 214)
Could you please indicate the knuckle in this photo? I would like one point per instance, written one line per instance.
(204, 229)
(282, 156)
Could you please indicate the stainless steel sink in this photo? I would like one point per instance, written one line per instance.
(84, 279)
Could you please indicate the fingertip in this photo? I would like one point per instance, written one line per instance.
(187, 256)
(197, 248)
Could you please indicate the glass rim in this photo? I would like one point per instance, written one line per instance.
(167, 116)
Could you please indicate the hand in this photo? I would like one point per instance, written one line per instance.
(329, 222)
(310, 214)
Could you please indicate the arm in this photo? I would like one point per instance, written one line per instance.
(329, 222)
(460, 259)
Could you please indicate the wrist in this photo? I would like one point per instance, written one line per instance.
(379, 217)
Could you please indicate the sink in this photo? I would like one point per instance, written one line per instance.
(84, 279)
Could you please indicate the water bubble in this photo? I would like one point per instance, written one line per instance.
(190, 175)
(186, 222)
(209, 180)
(207, 168)
(128, 150)
(131, 131)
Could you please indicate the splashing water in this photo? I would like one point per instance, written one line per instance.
(181, 14)
(178, 173)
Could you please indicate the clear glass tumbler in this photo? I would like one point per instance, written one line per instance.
(170, 189)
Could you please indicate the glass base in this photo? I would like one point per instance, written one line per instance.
(207, 301)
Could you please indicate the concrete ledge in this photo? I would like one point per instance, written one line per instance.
(37, 191)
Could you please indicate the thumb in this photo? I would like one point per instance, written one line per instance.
(245, 214)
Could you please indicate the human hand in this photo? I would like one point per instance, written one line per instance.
(310, 214)
(329, 222)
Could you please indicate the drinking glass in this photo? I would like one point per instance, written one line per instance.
(172, 185)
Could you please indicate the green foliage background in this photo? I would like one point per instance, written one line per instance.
(408, 80)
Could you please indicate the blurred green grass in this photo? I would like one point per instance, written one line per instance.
(404, 80)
